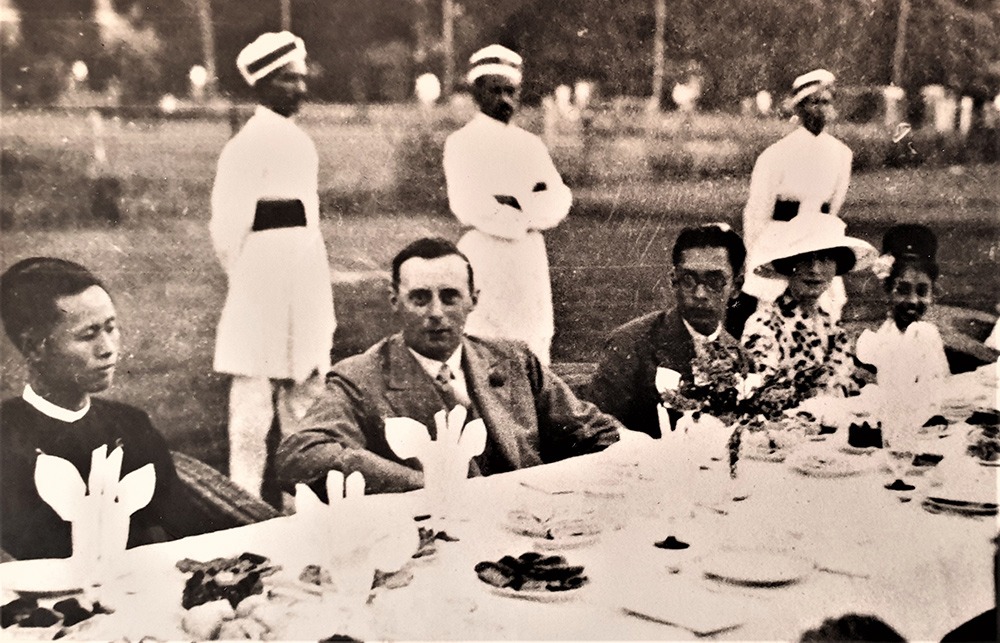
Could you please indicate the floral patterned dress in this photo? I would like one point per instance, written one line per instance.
(806, 347)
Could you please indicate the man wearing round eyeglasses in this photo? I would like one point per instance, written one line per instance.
(707, 271)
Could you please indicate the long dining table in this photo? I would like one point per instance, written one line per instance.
(845, 544)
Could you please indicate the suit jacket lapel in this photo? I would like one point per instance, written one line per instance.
(489, 381)
(674, 347)
(410, 391)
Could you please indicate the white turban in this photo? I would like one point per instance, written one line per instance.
(810, 83)
(269, 52)
(495, 60)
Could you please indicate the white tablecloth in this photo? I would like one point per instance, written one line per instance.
(922, 573)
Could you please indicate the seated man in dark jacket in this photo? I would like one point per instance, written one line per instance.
(62, 319)
(708, 263)
(531, 416)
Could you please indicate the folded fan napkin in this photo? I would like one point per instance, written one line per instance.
(446, 459)
(99, 511)
(350, 536)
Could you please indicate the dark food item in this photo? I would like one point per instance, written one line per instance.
(16, 611)
(230, 578)
(428, 537)
(26, 612)
(41, 617)
(73, 612)
(864, 435)
(315, 575)
(985, 447)
(899, 485)
(340, 637)
(671, 543)
(984, 417)
(937, 420)
(825, 429)
(532, 572)
(392, 580)
(927, 459)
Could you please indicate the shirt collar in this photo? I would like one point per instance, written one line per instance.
(705, 338)
(432, 366)
(483, 120)
(266, 112)
(54, 411)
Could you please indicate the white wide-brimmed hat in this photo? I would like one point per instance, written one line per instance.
(808, 232)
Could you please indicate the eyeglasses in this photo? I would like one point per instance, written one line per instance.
(712, 281)
(905, 289)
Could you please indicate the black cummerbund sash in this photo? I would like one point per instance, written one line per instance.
(788, 210)
(279, 213)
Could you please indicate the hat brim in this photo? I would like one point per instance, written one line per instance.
(864, 255)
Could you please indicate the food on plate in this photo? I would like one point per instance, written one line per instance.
(927, 459)
(258, 617)
(864, 435)
(984, 417)
(985, 445)
(428, 541)
(28, 612)
(532, 572)
(232, 579)
(315, 575)
(204, 620)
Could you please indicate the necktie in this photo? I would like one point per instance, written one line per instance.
(445, 382)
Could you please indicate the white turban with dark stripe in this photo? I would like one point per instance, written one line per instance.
(810, 83)
(495, 60)
(269, 52)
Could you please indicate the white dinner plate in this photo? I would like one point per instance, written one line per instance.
(755, 568)
(853, 450)
(568, 542)
(42, 578)
(543, 596)
(934, 505)
(827, 465)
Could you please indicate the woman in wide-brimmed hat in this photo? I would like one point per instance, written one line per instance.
(793, 336)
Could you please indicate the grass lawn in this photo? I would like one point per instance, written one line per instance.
(609, 259)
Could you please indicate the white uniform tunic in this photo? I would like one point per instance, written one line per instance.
(917, 354)
(278, 318)
(812, 170)
(505, 246)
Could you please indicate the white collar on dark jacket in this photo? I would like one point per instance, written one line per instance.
(53, 411)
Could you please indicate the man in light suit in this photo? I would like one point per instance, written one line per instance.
(531, 416)
(708, 263)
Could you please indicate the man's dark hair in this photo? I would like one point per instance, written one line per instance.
(28, 293)
(712, 235)
(428, 248)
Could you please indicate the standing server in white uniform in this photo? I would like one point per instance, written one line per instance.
(502, 184)
(276, 329)
(806, 171)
